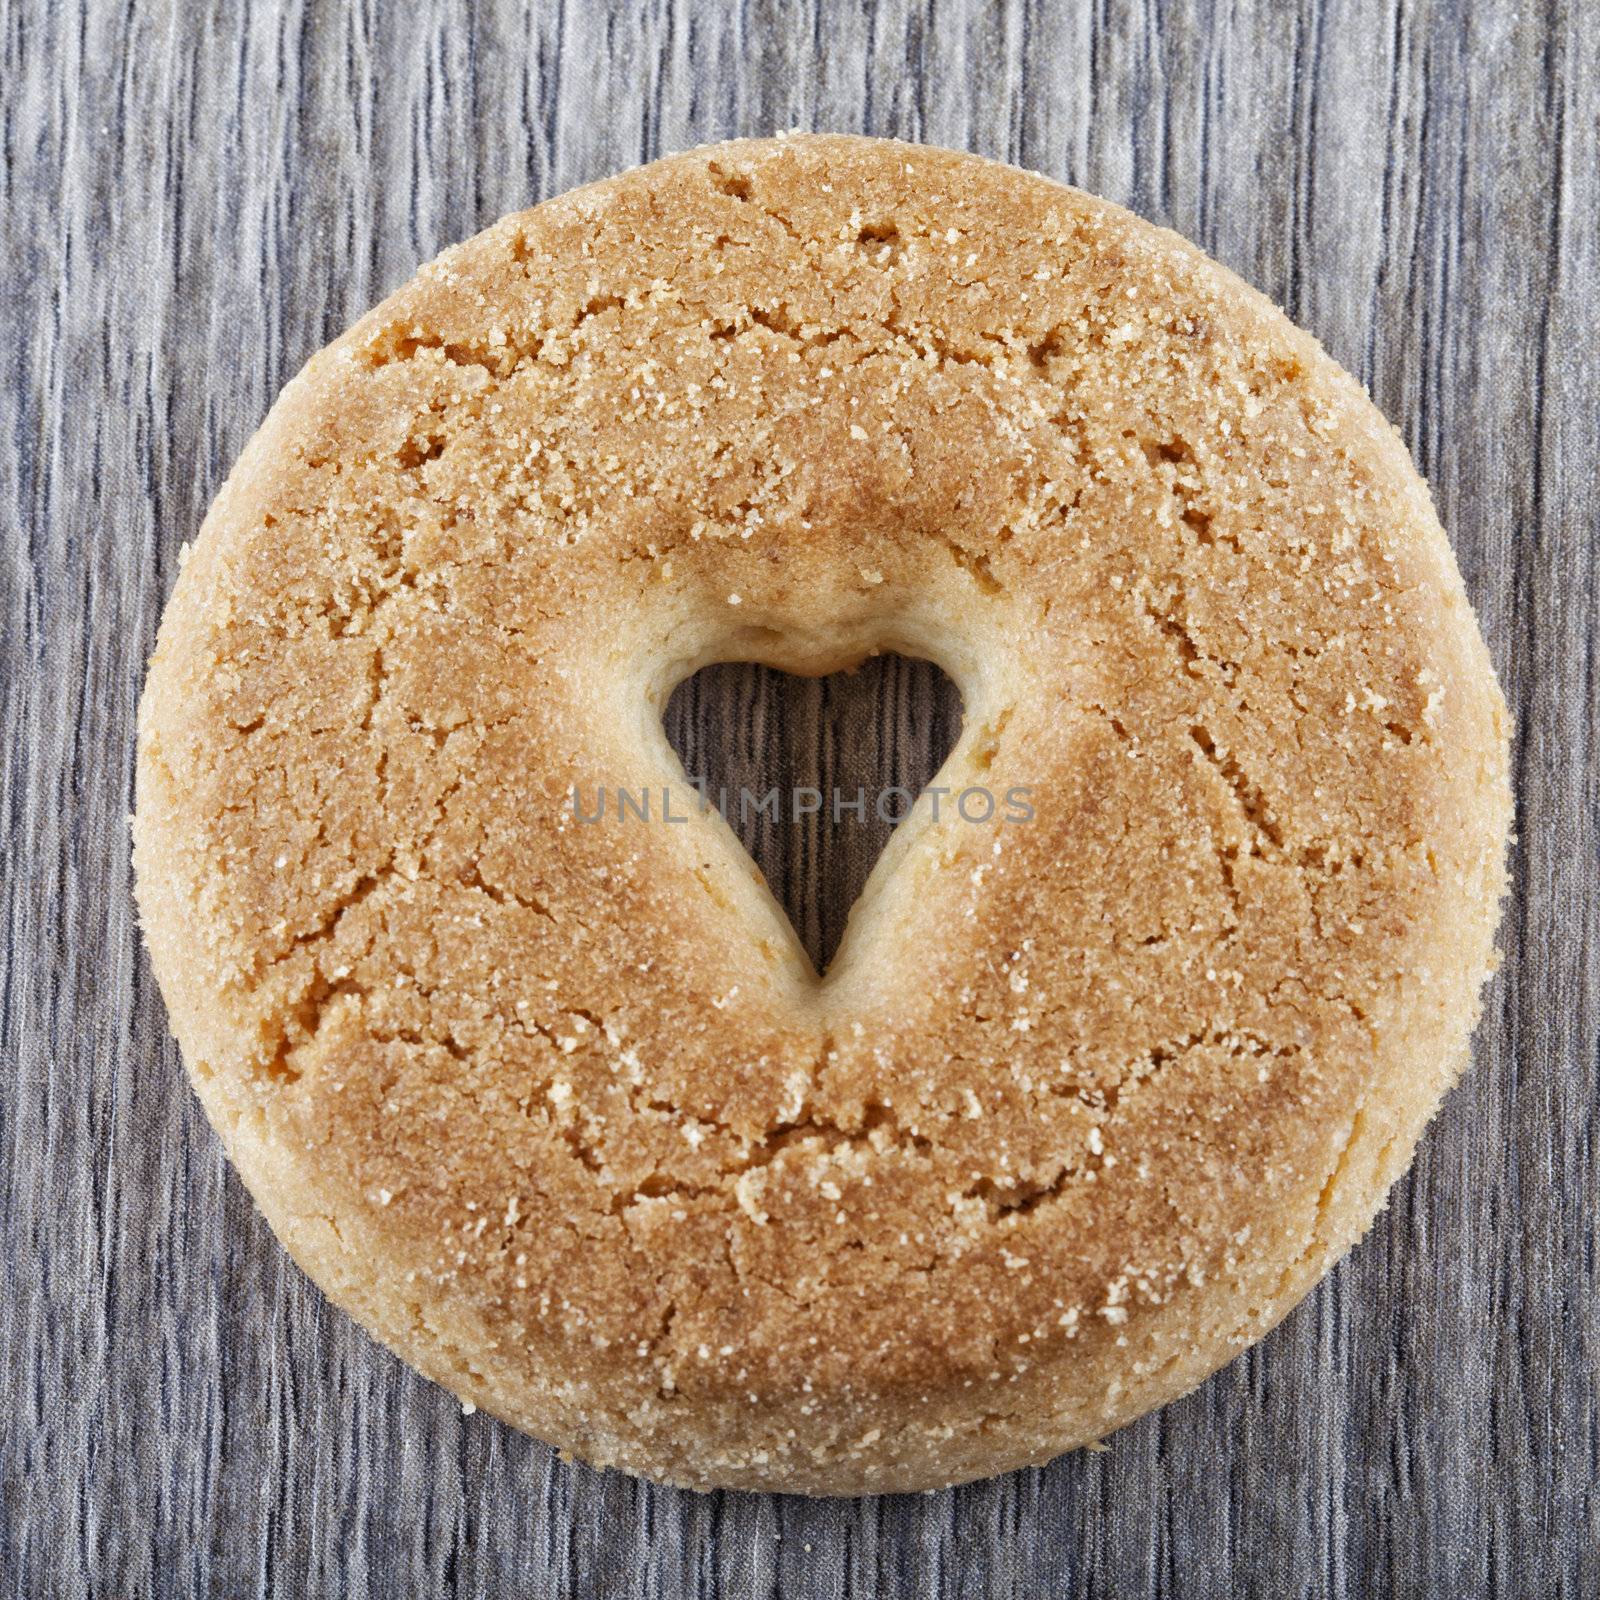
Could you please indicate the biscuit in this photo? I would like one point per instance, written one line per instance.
(1085, 1104)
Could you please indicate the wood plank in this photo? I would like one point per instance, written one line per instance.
(196, 198)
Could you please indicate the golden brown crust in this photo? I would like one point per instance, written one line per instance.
(1084, 1105)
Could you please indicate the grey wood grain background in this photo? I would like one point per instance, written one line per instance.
(196, 197)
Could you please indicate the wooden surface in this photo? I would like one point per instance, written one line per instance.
(195, 198)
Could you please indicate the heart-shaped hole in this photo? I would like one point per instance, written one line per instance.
(886, 726)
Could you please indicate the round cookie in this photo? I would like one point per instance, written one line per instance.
(1086, 1103)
